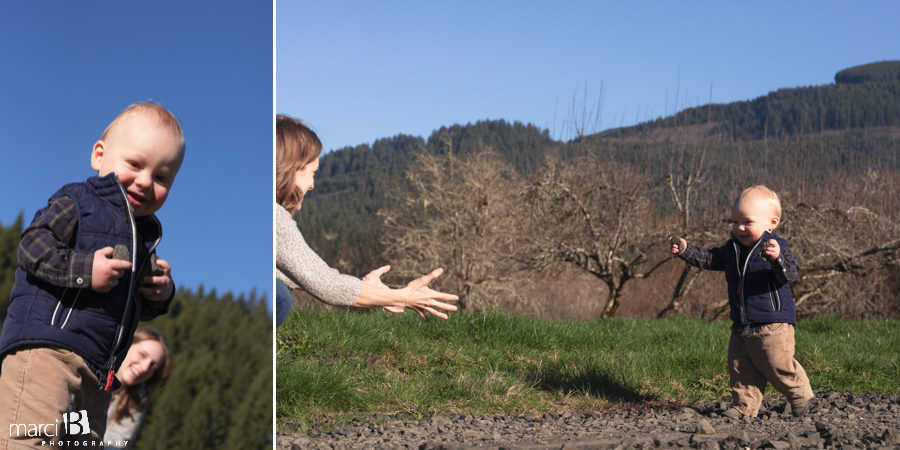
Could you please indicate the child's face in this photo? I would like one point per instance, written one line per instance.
(145, 156)
(141, 362)
(752, 217)
(303, 179)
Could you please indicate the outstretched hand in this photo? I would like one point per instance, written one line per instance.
(374, 278)
(421, 298)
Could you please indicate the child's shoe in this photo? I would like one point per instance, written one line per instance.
(733, 413)
(802, 409)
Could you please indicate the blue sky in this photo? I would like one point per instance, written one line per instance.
(357, 71)
(70, 67)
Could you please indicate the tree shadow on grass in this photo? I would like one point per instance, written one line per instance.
(593, 381)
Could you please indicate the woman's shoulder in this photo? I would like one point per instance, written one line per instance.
(288, 235)
(283, 216)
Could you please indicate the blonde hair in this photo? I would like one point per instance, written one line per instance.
(760, 192)
(137, 396)
(295, 147)
(163, 115)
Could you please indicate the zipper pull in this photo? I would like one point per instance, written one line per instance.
(740, 285)
(109, 378)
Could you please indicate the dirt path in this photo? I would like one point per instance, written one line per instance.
(839, 420)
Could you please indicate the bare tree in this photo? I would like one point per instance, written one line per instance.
(595, 215)
(835, 243)
(687, 173)
(455, 214)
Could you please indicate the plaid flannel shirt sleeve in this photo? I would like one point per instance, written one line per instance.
(151, 309)
(786, 268)
(45, 249)
(706, 259)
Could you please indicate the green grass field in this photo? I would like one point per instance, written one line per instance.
(336, 364)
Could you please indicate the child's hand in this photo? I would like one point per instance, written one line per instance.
(679, 245)
(105, 271)
(374, 278)
(771, 251)
(158, 288)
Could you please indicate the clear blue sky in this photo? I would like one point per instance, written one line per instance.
(69, 67)
(361, 70)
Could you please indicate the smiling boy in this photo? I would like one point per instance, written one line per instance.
(759, 267)
(74, 308)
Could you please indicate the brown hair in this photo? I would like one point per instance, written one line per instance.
(165, 117)
(295, 147)
(137, 397)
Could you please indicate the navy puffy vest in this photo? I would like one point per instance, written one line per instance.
(97, 326)
(754, 294)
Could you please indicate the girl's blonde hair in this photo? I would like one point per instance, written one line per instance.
(295, 147)
(137, 396)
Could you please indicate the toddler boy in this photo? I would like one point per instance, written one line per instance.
(759, 267)
(74, 305)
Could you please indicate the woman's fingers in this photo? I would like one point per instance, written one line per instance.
(425, 301)
(444, 296)
(374, 277)
(376, 274)
(425, 279)
(436, 313)
(421, 313)
(441, 305)
(434, 308)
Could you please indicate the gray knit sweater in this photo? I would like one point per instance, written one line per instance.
(297, 265)
(125, 431)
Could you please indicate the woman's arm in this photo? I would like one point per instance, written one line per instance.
(296, 261)
(416, 295)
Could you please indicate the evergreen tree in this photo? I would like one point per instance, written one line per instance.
(219, 394)
(9, 244)
(878, 71)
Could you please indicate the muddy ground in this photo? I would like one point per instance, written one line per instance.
(839, 420)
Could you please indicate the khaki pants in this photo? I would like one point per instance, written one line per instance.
(40, 384)
(766, 355)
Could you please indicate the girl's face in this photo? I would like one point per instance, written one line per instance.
(142, 361)
(303, 179)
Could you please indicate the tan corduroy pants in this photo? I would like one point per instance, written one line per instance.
(766, 355)
(38, 386)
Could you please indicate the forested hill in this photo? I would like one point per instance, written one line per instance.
(862, 96)
(340, 221)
